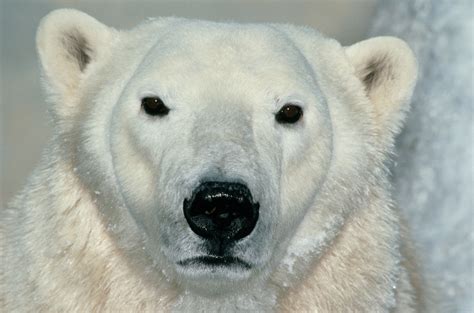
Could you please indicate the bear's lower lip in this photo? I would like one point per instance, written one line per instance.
(213, 261)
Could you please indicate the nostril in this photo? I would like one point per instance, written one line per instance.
(221, 210)
(209, 212)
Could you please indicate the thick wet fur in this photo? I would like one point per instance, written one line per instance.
(212, 167)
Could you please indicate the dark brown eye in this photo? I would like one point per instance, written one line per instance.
(289, 114)
(154, 106)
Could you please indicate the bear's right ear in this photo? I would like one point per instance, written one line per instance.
(69, 42)
(387, 69)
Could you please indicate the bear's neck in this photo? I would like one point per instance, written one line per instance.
(251, 299)
(68, 259)
(360, 269)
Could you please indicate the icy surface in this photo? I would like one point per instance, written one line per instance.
(433, 172)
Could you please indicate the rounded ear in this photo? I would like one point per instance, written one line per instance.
(387, 68)
(69, 42)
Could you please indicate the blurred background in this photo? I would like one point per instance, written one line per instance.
(433, 168)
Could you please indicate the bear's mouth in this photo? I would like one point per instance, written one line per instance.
(215, 261)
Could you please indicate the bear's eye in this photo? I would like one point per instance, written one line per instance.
(289, 114)
(154, 106)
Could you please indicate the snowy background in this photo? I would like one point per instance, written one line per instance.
(433, 172)
(434, 169)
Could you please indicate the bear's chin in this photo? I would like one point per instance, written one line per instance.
(213, 279)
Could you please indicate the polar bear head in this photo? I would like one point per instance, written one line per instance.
(219, 152)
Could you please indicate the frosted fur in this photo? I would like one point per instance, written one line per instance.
(99, 226)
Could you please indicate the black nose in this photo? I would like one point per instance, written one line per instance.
(221, 210)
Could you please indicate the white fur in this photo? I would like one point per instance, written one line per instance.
(100, 224)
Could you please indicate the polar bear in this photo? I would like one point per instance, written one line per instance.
(212, 167)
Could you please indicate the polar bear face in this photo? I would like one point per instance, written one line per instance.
(209, 143)
(219, 123)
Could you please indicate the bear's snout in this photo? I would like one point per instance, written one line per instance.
(221, 210)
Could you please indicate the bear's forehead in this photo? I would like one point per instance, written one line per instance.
(196, 57)
(189, 44)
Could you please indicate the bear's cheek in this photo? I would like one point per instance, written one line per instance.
(144, 164)
(304, 170)
(135, 174)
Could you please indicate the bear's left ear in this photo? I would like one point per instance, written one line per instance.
(387, 68)
(68, 43)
